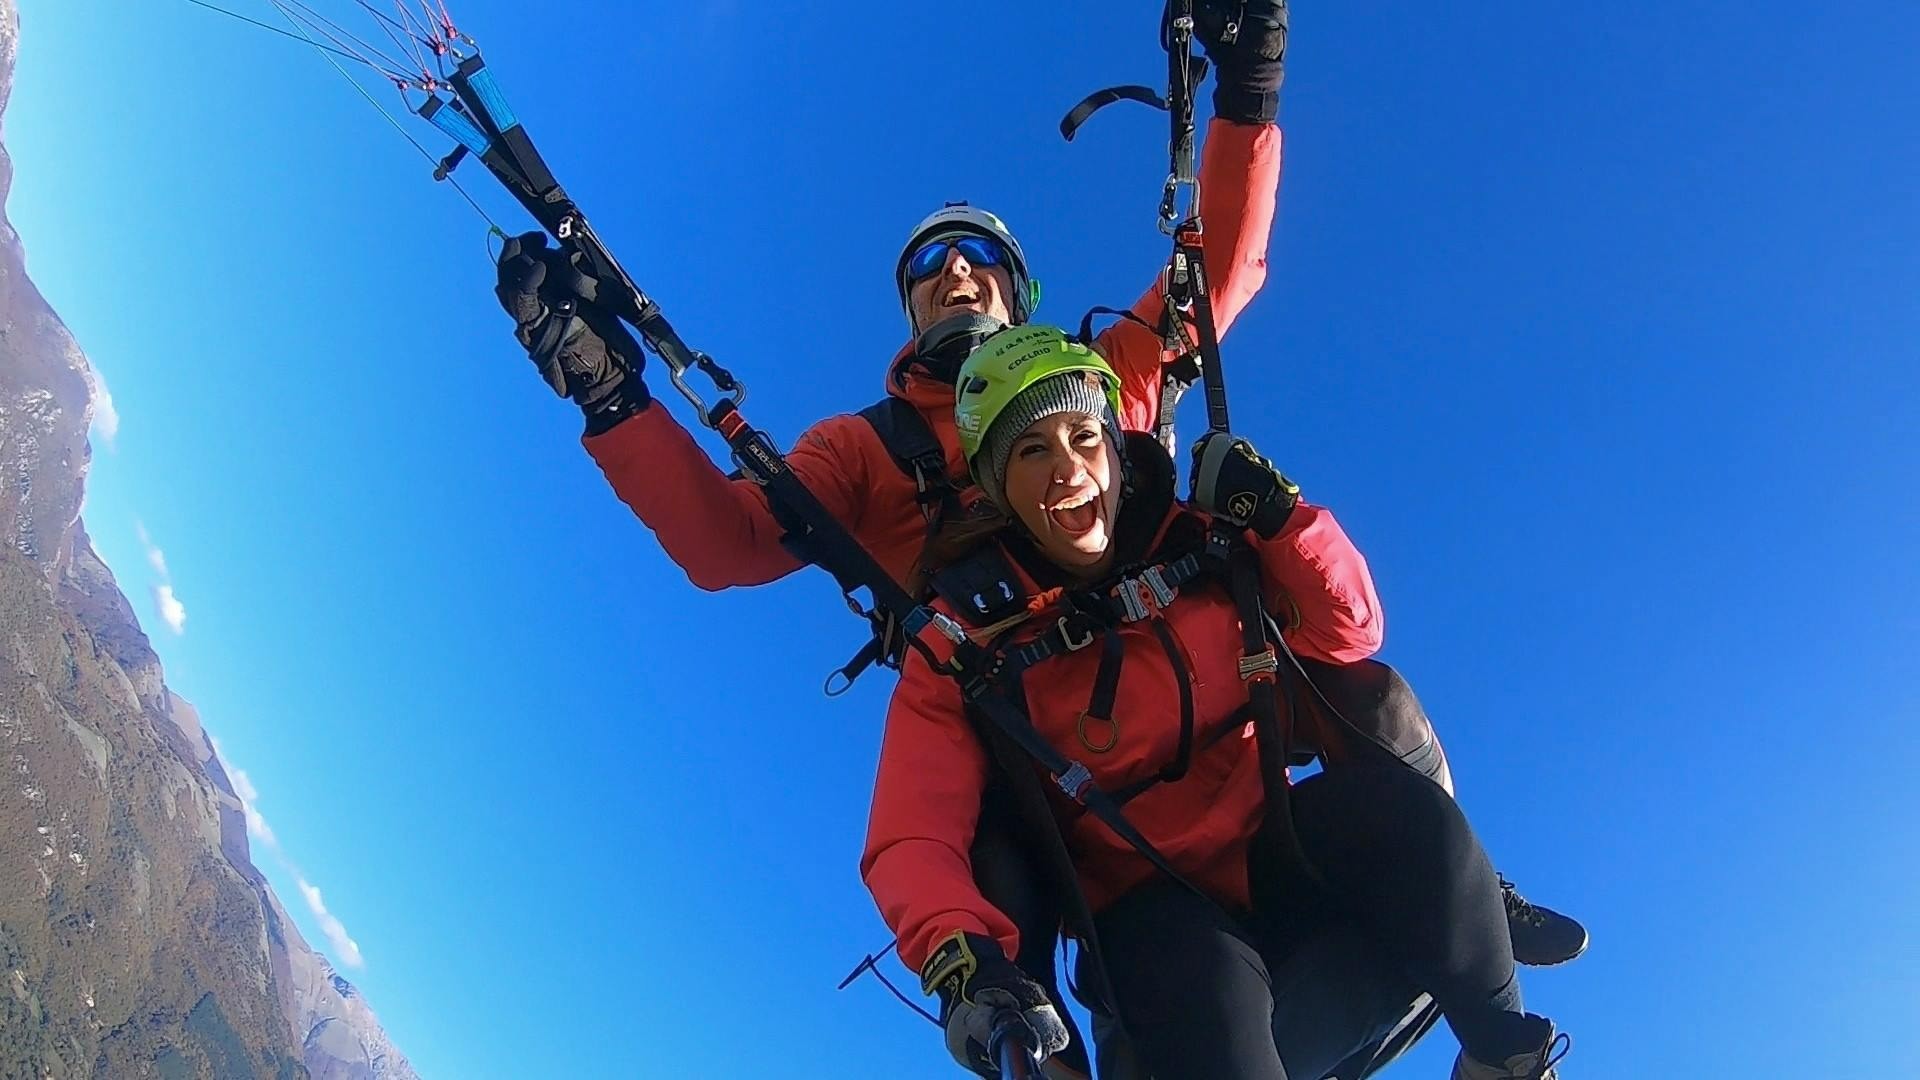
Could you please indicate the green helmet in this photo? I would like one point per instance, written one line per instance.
(1003, 368)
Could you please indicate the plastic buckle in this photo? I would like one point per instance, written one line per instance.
(1075, 781)
(1132, 602)
(1066, 636)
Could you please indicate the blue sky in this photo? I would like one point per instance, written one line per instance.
(1595, 327)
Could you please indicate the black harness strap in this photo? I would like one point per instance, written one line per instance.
(910, 441)
(1055, 858)
(1183, 755)
(1073, 779)
(913, 446)
(1130, 792)
(1189, 293)
(1090, 613)
(1106, 688)
(1260, 668)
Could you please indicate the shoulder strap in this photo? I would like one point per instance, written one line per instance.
(913, 446)
(916, 450)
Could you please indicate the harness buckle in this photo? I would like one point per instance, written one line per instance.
(1145, 595)
(1260, 667)
(1075, 782)
(1156, 580)
(923, 616)
(1066, 636)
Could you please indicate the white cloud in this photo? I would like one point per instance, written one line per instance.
(155, 557)
(243, 787)
(344, 947)
(170, 609)
(165, 603)
(106, 418)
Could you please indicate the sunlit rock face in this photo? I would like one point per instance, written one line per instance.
(136, 936)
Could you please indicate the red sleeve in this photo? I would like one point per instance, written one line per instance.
(1239, 188)
(926, 804)
(718, 529)
(1320, 590)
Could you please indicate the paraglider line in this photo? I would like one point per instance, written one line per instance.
(426, 34)
(404, 39)
(339, 35)
(308, 26)
(274, 29)
(904, 999)
(436, 33)
(397, 125)
(871, 963)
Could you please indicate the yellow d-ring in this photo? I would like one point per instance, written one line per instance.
(1113, 734)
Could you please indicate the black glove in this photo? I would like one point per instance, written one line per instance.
(583, 353)
(978, 985)
(1248, 69)
(1232, 482)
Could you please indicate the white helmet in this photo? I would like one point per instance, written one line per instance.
(959, 219)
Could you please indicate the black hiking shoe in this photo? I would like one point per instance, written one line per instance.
(1542, 937)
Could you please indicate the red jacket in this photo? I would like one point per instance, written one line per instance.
(722, 532)
(926, 800)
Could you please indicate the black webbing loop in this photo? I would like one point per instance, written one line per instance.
(1100, 99)
(1106, 688)
(1183, 755)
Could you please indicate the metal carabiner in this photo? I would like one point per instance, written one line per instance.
(732, 390)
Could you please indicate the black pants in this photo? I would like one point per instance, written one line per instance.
(1290, 990)
(1341, 1007)
(1336, 1005)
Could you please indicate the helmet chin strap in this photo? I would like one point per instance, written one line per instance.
(944, 346)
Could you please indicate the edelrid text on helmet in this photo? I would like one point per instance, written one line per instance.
(959, 219)
(1011, 361)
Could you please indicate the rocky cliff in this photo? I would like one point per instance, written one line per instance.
(137, 939)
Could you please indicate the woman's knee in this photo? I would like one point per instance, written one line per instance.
(1173, 958)
(1375, 710)
(1382, 810)
(1193, 988)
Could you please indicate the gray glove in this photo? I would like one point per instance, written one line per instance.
(978, 988)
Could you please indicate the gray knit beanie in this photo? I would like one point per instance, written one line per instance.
(1069, 391)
